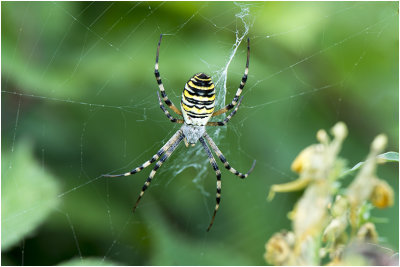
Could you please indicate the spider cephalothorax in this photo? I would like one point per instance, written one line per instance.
(197, 105)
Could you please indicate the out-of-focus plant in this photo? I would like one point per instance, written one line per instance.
(330, 222)
(29, 195)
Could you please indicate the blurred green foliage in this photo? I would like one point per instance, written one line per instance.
(28, 195)
(78, 83)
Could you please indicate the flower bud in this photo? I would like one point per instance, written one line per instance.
(379, 142)
(339, 130)
(322, 136)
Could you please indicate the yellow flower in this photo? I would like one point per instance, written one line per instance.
(382, 195)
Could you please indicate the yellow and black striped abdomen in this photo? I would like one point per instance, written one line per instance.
(198, 100)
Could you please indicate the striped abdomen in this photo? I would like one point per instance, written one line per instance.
(198, 100)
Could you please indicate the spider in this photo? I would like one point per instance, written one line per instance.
(197, 107)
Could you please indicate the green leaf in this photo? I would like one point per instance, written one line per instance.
(28, 194)
(389, 156)
(88, 262)
(382, 158)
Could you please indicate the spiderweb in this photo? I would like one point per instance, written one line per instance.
(106, 91)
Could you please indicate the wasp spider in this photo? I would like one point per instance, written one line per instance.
(197, 107)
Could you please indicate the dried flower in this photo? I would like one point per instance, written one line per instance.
(382, 194)
(339, 207)
(367, 232)
(320, 224)
(366, 186)
(279, 249)
(338, 223)
(309, 160)
(335, 229)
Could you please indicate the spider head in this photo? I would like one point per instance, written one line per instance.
(192, 133)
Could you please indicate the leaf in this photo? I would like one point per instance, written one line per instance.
(91, 261)
(28, 194)
(389, 157)
(382, 158)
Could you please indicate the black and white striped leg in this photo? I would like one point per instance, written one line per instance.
(172, 119)
(156, 167)
(218, 174)
(241, 86)
(222, 123)
(170, 142)
(223, 159)
(160, 84)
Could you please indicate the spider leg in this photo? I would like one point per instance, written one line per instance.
(223, 159)
(167, 145)
(172, 119)
(160, 84)
(222, 123)
(158, 165)
(242, 84)
(218, 173)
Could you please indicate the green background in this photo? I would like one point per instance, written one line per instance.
(79, 100)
